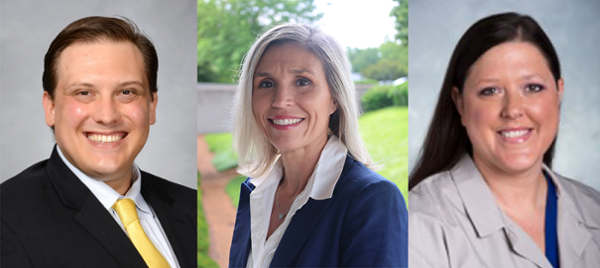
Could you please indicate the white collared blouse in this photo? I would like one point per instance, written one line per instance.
(320, 186)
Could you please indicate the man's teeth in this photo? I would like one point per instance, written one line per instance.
(514, 134)
(284, 122)
(104, 138)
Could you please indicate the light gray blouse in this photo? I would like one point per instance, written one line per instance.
(454, 221)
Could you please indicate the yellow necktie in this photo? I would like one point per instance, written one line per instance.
(126, 210)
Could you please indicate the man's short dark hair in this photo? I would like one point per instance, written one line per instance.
(95, 29)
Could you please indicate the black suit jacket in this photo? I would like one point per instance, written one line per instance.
(51, 219)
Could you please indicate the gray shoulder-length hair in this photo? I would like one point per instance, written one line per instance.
(255, 153)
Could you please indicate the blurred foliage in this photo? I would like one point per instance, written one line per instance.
(227, 28)
(203, 238)
(379, 97)
(233, 189)
(401, 13)
(220, 144)
(366, 82)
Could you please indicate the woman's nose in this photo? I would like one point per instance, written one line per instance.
(284, 96)
(512, 105)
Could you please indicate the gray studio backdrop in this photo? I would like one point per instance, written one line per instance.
(574, 28)
(26, 30)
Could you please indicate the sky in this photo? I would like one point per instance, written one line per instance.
(357, 23)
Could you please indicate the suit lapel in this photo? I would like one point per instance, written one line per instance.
(299, 231)
(90, 214)
(240, 245)
(174, 221)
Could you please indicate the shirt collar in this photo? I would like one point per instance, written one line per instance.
(566, 196)
(106, 194)
(324, 177)
(477, 197)
(479, 200)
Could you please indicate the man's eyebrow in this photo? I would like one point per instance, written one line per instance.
(129, 83)
(80, 84)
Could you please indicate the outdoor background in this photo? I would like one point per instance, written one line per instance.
(27, 28)
(374, 34)
(574, 29)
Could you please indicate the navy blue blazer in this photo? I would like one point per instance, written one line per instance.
(365, 224)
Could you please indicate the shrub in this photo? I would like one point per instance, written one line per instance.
(379, 97)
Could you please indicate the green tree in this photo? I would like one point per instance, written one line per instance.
(387, 62)
(361, 58)
(227, 28)
(401, 13)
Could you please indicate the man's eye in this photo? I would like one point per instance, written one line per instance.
(266, 84)
(126, 92)
(83, 93)
(303, 82)
(489, 91)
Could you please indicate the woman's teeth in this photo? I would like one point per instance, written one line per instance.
(514, 133)
(284, 122)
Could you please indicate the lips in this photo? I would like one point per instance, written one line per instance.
(105, 138)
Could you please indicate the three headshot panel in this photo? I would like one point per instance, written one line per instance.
(300, 156)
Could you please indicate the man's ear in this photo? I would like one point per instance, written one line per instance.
(49, 106)
(458, 102)
(153, 108)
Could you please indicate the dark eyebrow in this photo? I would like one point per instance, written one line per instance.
(80, 84)
(129, 83)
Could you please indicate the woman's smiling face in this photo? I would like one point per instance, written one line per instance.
(510, 108)
(291, 99)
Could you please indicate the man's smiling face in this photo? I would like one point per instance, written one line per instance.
(102, 109)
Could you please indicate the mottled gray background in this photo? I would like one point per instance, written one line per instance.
(26, 30)
(573, 26)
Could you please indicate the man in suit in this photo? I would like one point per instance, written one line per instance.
(89, 205)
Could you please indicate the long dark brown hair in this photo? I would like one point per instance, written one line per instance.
(447, 139)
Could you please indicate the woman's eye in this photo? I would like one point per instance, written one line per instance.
(266, 84)
(489, 91)
(535, 87)
(303, 82)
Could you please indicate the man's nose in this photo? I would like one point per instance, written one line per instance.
(106, 111)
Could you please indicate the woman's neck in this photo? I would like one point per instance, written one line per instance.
(522, 192)
(298, 165)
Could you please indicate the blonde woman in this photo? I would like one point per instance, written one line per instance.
(310, 199)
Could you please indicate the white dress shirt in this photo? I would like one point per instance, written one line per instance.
(455, 222)
(320, 186)
(108, 196)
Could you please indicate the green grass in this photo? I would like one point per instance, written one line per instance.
(203, 239)
(385, 132)
(220, 144)
(233, 189)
